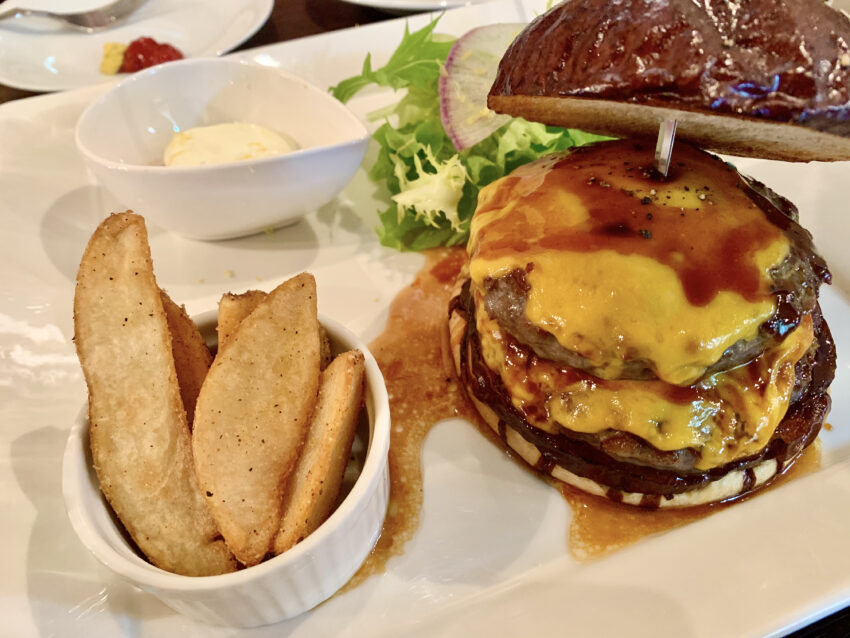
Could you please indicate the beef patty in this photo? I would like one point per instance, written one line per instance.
(625, 462)
(794, 284)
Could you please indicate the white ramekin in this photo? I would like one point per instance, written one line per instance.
(121, 137)
(279, 588)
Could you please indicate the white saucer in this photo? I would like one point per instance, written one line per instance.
(38, 54)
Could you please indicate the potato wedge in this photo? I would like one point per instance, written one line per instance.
(192, 358)
(140, 442)
(252, 416)
(232, 309)
(325, 355)
(312, 490)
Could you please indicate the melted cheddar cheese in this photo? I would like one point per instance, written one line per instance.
(623, 267)
(729, 415)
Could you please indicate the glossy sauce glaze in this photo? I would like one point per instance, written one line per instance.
(633, 211)
(769, 59)
(424, 390)
(596, 229)
(599, 526)
(586, 458)
(522, 366)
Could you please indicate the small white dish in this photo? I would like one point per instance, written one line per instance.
(122, 135)
(279, 588)
(37, 54)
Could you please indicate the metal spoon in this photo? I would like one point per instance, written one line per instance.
(88, 21)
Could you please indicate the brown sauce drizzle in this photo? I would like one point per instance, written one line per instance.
(521, 360)
(580, 456)
(651, 226)
(600, 527)
(424, 390)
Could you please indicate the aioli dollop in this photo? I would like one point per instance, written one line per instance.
(221, 143)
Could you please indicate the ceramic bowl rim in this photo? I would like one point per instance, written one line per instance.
(148, 576)
(141, 76)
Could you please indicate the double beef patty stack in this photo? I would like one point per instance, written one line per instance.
(656, 340)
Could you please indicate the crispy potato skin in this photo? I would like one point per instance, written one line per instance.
(325, 348)
(232, 310)
(192, 358)
(313, 489)
(140, 440)
(253, 413)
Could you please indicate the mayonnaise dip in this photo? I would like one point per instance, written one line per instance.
(220, 143)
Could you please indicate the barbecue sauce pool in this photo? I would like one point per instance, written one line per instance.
(423, 390)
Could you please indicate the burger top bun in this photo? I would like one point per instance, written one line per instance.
(758, 78)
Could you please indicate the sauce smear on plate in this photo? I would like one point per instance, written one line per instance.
(423, 390)
(600, 526)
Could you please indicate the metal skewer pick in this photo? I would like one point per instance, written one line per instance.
(664, 146)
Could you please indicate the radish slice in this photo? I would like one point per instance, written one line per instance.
(469, 73)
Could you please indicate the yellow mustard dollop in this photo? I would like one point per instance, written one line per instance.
(113, 57)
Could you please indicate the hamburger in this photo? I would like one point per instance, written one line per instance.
(656, 341)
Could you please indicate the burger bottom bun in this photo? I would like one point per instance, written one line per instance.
(722, 133)
(731, 485)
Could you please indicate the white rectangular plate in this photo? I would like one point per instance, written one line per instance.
(491, 555)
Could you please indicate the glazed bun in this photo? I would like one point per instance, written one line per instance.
(764, 78)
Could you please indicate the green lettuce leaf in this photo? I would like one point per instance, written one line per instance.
(434, 187)
(416, 62)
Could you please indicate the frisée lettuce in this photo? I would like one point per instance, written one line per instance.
(434, 186)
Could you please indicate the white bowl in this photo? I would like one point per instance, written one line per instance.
(123, 134)
(279, 588)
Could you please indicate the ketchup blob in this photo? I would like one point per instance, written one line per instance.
(146, 52)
